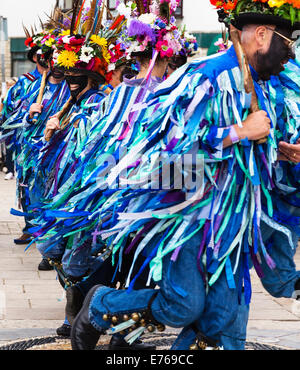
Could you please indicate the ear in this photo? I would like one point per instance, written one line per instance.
(263, 36)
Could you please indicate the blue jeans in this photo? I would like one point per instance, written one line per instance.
(75, 262)
(233, 336)
(280, 283)
(25, 204)
(181, 298)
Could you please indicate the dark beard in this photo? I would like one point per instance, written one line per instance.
(271, 63)
(57, 74)
(82, 81)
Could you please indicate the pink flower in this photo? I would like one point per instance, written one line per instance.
(164, 49)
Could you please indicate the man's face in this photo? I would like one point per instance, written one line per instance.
(272, 61)
(57, 74)
(77, 82)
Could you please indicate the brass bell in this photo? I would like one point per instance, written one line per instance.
(125, 317)
(194, 347)
(151, 328)
(135, 317)
(114, 320)
(202, 345)
(105, 317)
(161, 327)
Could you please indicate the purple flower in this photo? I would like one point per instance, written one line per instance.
(138, 28)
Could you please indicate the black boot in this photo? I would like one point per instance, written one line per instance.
(45, 265)
(64, 331)
(118, 343)
(83, 335)
(74, 303)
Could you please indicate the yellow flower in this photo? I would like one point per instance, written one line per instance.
(106, 55)
(65, 33)
(67, 59)
(101, 41)
(49, 42)
(277, 3)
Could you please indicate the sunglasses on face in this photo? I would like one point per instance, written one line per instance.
(291, 44)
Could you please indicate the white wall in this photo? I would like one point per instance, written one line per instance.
(26, 11)
(200, 16)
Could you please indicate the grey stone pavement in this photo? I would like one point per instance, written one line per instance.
(32, 302)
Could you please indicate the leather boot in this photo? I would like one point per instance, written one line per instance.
(118, 343)
(23, 239)
(45, 265)
(74, 303)
(64, 331)
(83, 335)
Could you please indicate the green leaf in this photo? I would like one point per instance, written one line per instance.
(239, 5)
(293, 14)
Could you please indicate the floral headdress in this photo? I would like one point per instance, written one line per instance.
(189, 43)
(43, 43)
(87, 45)
(284, 13)
(151, 27)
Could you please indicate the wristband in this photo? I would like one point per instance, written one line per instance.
(233, 135)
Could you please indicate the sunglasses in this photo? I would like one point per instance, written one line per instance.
(291, 44)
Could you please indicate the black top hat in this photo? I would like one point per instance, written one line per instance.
(259, 18)
(31, 53)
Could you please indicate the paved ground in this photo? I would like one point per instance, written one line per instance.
(32, 302)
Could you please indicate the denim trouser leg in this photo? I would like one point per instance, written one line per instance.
(281, 281)
(49, 250)
(76, 262)
(24, 204)
(233, 336)
(9, 163)
(179, 301)
(222, 318)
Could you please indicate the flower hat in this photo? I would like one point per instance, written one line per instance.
(151, 27)
(85, 44)
(189, 43)
(285, 13)
(43, 43)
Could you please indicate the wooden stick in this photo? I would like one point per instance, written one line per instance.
(49, 132)
(41, 93)
(244, 66)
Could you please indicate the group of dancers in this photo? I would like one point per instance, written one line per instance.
(152, 185)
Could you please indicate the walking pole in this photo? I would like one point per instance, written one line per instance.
(244, 66)
(49, 132)
(41, 93)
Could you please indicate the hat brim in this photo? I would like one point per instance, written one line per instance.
(258, 18)
(94, 75)
(31, 53)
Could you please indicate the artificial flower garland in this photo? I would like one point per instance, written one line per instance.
(288, 9)
(150, 30)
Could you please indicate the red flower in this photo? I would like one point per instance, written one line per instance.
(74, 48)
(28, 41)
